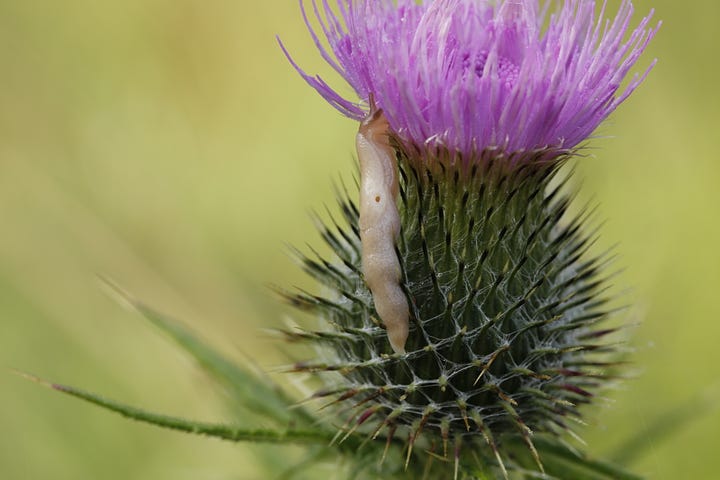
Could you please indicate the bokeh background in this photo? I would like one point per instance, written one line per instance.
(168, 144)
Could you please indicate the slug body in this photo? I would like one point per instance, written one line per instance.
(380, 227)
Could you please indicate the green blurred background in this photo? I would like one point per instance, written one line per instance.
(168, 145)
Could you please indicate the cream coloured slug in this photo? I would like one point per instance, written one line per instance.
(380, 226)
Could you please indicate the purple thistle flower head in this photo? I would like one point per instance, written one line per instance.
(470, 75)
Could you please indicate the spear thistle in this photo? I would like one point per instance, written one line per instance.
(495, 321)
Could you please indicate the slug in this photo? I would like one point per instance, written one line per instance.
(380, 226)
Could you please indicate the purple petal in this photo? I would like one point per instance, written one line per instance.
(474, 74)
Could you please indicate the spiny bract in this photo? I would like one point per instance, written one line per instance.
(505, 306)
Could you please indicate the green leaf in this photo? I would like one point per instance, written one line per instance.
(252, 392)
(223, 432)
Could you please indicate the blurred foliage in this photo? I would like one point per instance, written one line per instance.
(168, 145)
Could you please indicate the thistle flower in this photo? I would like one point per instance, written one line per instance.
(460, 251)
(473, 74)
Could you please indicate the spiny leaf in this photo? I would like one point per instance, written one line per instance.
(247, 389)
(223, 432)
